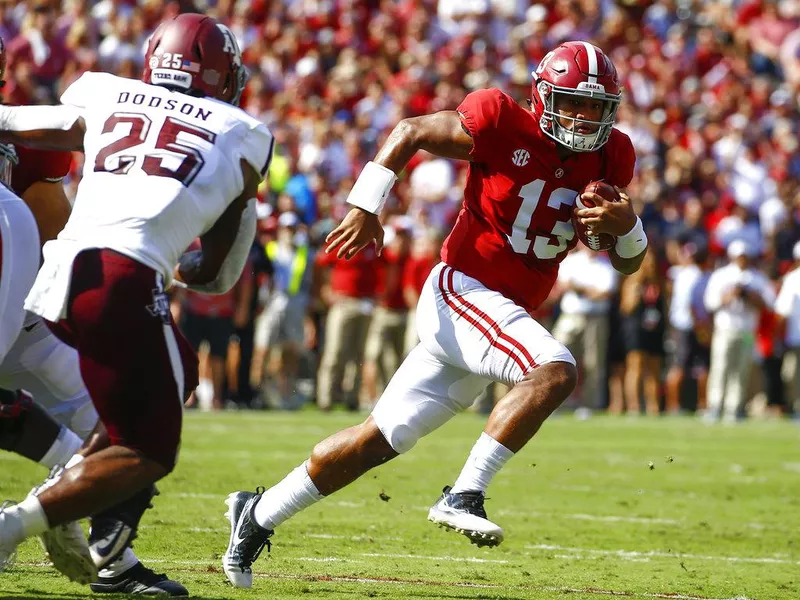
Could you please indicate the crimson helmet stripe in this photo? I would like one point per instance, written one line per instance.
(592, 55)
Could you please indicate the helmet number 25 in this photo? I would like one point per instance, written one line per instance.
(544, 246)
(113, 159)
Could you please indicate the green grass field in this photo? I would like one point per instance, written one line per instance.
(607, 507)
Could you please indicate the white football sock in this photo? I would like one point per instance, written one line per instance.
(294, 493)
(485, 460)
(123, 563)
(23, 520)
(65, 445)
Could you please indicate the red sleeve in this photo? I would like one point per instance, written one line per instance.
(480, 114)
(620, 159)
(39, 165)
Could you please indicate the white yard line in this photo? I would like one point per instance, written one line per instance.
(636, 555)
(469, 559)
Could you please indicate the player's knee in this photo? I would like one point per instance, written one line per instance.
(399, 437)
(373, 445)
(563, 378)
(14, 409)
(560, 377)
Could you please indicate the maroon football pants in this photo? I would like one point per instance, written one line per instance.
(137, 366)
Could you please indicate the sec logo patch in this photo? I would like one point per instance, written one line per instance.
(521, 157)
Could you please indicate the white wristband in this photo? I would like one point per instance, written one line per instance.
(632, 243)
(32, 118)
(372, 188)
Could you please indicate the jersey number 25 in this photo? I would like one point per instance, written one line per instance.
(113, 159)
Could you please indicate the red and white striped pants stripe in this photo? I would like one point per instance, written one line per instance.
(469, 335)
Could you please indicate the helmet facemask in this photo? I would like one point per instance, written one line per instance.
(570, 137)
(241, 74)
(8, 160)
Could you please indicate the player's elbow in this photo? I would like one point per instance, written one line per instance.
(408, 131)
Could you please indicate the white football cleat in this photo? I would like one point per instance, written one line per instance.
(68, 550)
(8, 550)
(66, 544)
(463, 512)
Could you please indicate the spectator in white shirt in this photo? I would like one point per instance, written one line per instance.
(588, 281)
(787, 308)
(690, 326)
(736, 293)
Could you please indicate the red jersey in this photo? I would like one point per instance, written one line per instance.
(38, 165)
(354, 278)
(515, 225)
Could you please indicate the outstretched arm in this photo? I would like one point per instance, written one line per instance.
(44, 127)
(440, 133)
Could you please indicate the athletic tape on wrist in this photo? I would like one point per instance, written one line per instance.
(372, 188)
(632, 243)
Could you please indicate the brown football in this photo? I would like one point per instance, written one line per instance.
(603, 241)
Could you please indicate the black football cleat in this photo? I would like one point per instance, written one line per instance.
(114, 529)
(140, 580)
(463, 512)
(248, 538)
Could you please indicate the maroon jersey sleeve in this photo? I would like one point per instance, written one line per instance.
(483, 113)
(620, 159)
(38, 165)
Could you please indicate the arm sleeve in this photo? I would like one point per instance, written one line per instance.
(45, 165)
(480, 114)
(231, 268)
(85, 89)
(256, 146)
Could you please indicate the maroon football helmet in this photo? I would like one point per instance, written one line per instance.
(198, 55)
(576, 68)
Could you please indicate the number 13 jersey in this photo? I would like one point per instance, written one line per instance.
(160, 168)
(515, 225)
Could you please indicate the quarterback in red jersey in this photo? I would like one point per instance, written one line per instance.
(526, 169)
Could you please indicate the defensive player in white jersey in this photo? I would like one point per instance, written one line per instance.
(168, 159)
(50, 430)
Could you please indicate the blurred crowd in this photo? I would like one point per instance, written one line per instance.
(711, 103)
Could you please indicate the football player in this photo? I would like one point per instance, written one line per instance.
(499, 262)
(51, 430)
(168, 159)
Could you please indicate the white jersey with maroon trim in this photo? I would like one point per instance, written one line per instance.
(160, 168)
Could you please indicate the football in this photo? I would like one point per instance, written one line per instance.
(603, 241)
